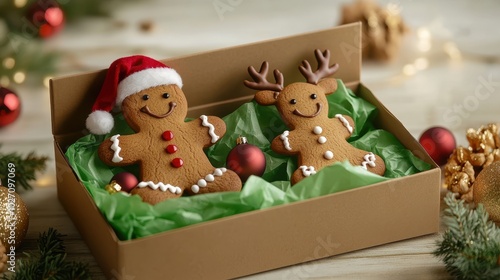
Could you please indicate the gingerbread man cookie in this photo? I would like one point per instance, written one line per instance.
(316, 139)
(168, 149)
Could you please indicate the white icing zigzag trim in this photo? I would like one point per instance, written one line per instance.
(163, 187)
(211, 128)
(116, 148)
(345, 122)
(284, 138)
(369, 159)
(203, 182)
(307, 170)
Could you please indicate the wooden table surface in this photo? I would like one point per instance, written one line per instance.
(423, 87)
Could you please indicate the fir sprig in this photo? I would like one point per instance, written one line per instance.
(49, 263)
(73, 10)
(25, 168)
(470, 246)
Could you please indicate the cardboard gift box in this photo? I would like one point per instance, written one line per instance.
(261, 240)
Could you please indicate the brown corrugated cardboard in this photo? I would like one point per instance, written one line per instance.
(259, 240)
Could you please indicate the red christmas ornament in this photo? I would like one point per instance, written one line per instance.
(246, 159)
(126, 181)
(46, 18)
(439, 143)
(10, 106)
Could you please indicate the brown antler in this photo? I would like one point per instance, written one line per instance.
(260, 79)
(323, 69)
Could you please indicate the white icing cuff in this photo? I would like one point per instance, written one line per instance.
(218, 172)
(368, 159)
(345, 122)
(307, 170)
(209, 178)
(211, 128)
(116, 148)
(284, 138)
(195, 188)
(203, 183)
(163, 187)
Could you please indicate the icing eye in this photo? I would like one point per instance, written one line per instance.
(145, 97)
(293, 101)
(166, 95)
(313, 96)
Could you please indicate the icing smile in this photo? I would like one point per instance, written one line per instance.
(298, 113)
(146, 110)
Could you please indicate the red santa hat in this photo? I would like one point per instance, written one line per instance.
(126, 76)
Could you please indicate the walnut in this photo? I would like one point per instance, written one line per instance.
(459, 174)
(477, 159)
(484, 140)
(465, 163)
(383, 28)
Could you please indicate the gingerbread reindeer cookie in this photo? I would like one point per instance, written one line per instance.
(316, 139)
(168, 149)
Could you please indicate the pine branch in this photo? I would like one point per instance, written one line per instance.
(50, 243)
(25, 168)
(470, 247)
(21, 41)
(73, 10)
(49, 263)
(77, 9)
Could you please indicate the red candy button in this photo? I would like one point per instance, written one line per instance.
(171, 149)
(167, 135)
(177, 162)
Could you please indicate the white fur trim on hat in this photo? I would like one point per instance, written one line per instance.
(145, 79)
(100, 122)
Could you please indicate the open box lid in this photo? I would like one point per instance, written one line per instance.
(221, 73)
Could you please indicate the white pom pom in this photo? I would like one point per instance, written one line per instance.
(100, 122)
